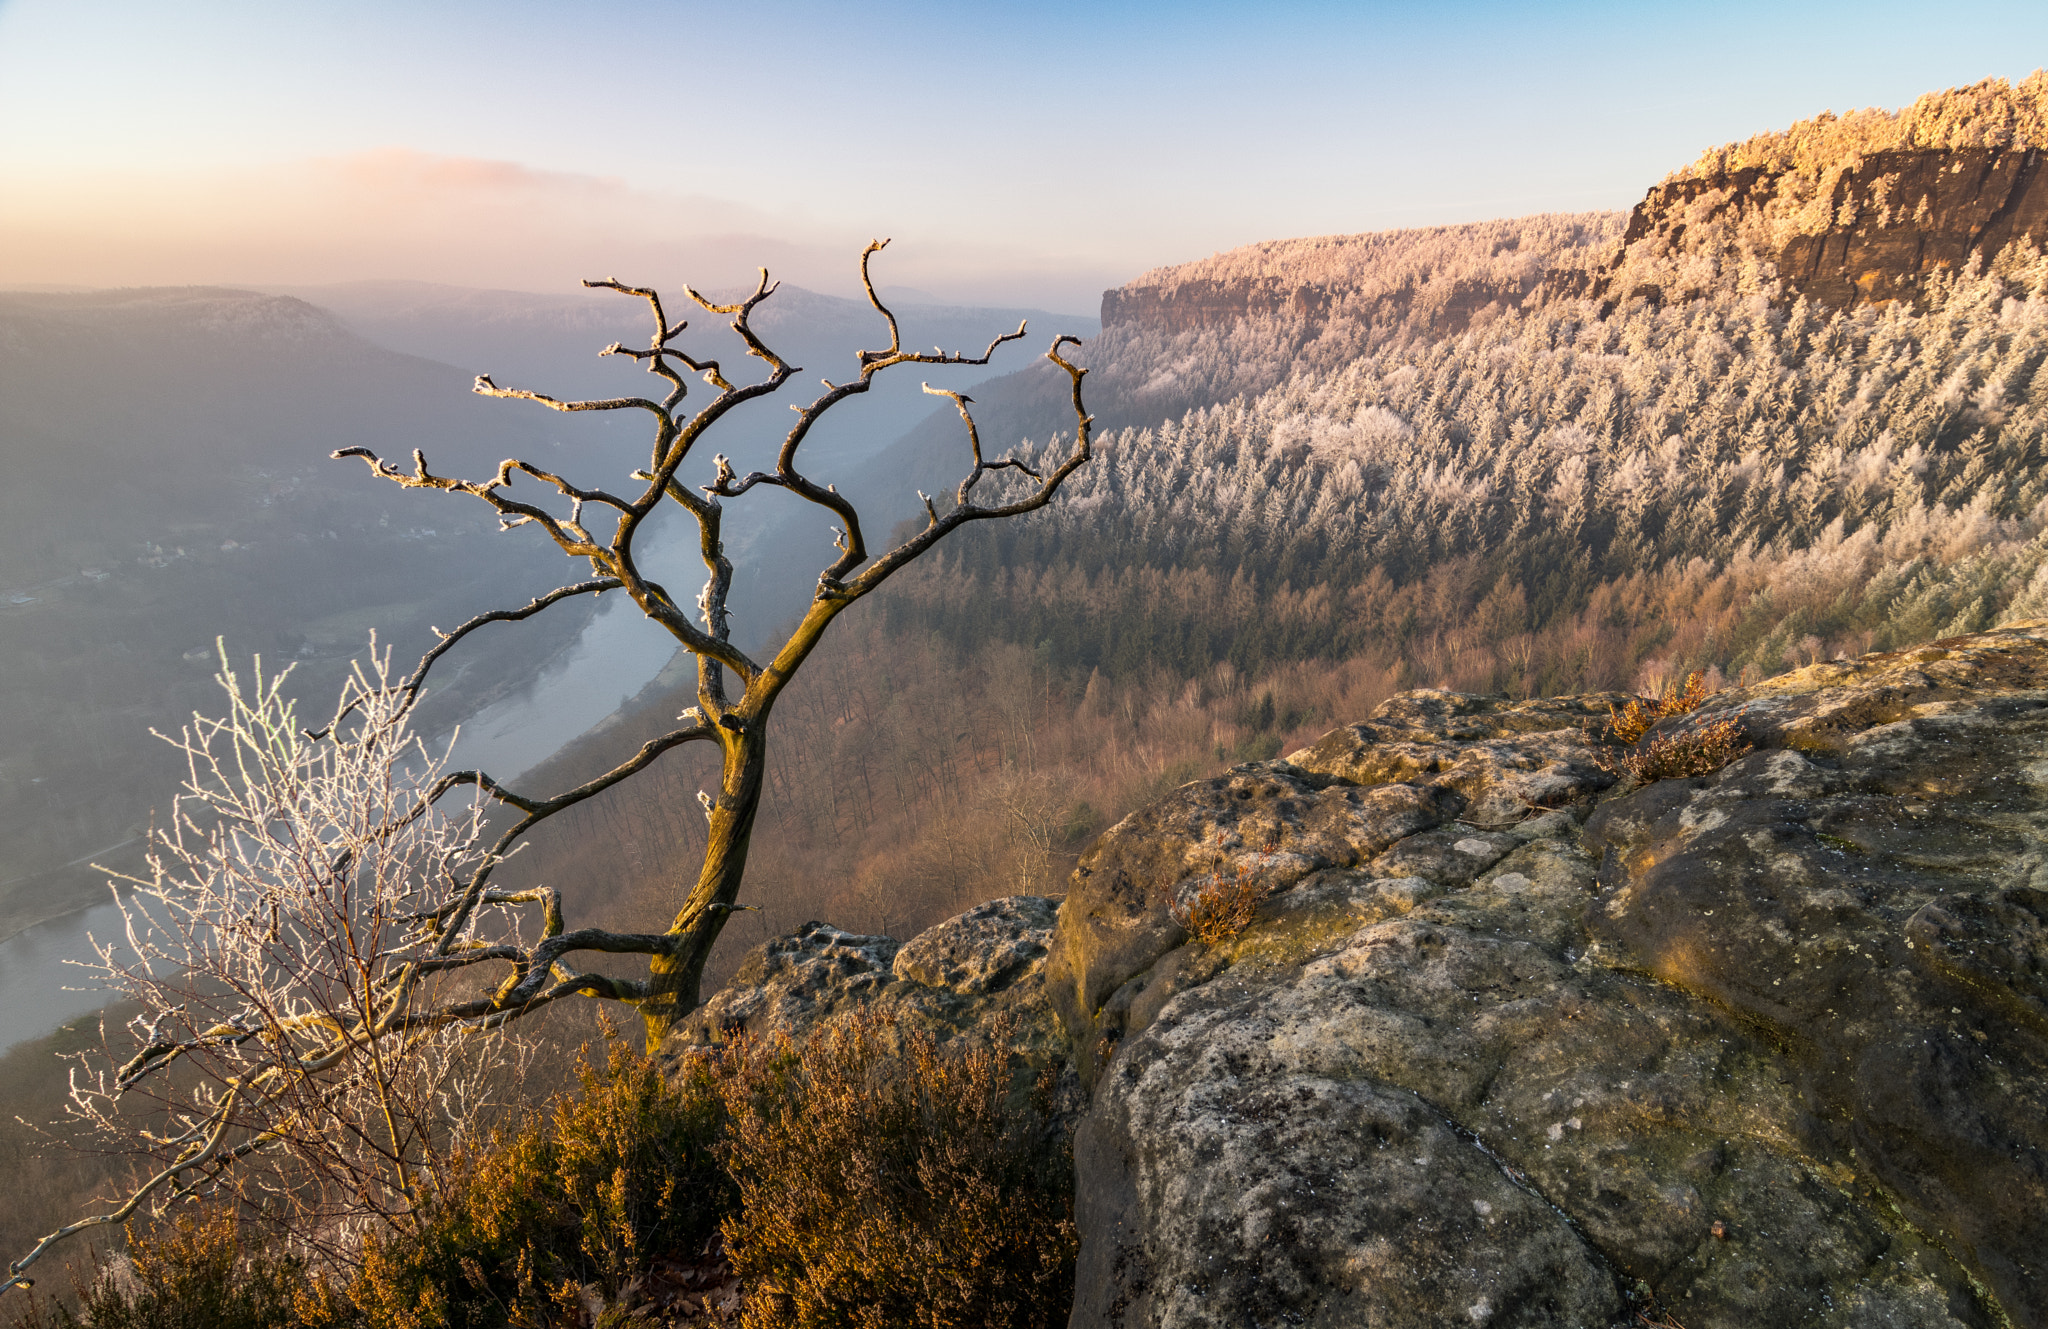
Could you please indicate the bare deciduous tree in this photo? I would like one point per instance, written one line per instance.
(324, 989)
(278, 947)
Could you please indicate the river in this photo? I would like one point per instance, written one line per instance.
(614, 656)
(39, 990)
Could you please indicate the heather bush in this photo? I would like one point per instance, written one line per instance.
(1701, 750)
(1223, 905)
(883, 1183)
(583, 1198)
(194, 1273)
(1632, 721)
(864, 1178)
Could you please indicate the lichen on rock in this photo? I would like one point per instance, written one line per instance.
(1509, 1044)
(955, 981)
(1760, 1047)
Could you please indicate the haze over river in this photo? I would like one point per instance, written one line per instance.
(613, 658)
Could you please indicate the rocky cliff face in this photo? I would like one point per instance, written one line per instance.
(1877, 230)
(1438, 280)
(1511, 1044)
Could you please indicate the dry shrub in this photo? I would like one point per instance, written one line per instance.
(584, 1198)
(1632, 721)
(1223, 906)
(882, 1183)
(1699, 751)
(879, 1183)
(194, 1274)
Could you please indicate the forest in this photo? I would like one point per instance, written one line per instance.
(1553, 502)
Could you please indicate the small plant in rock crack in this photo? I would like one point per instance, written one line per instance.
(1632, 721)
(1701, 750)
(1222, 906)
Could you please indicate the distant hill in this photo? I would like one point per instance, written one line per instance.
(167, 481)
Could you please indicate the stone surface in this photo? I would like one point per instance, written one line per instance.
(1766, 1047)
(1871, 892)
(1270, 819)
(1501, 758)
(1481, 768)
(1900, 216)
(953, 981)
(984, 950)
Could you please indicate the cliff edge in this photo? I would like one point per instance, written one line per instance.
(1511, 1043)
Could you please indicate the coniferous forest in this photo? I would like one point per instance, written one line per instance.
(1355, 465)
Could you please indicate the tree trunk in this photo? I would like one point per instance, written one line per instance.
(676, 978)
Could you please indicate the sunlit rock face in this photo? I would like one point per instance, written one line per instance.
(1891, 220)
(1768, 1046)
(1429, 791)
(1509, 1043)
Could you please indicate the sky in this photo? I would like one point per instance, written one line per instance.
(1018, 154)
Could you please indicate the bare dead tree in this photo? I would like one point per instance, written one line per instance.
(402, 991)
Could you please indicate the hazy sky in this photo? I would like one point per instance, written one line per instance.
(1017, 153)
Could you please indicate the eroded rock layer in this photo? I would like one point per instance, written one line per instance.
(1894, 219)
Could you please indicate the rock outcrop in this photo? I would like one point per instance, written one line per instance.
(1509, 1044)
(1762, 1047)
(1424, 796)
(955, 981)
(1888, 222)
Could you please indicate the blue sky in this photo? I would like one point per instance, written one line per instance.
(1017, 152)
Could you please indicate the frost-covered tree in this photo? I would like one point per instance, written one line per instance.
(1867, 478)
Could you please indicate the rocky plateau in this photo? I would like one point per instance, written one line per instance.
(1514, 1042)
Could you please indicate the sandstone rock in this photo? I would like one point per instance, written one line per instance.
(1767, 1047)
(788, 983)
(1270, 819)
(1900, 216)
(982, 951)
(1501, 758)
(1357, 797)
(1453, 1117)
(1875, 901)
(952, 981)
